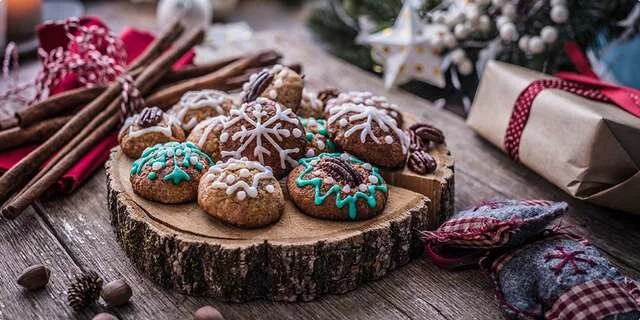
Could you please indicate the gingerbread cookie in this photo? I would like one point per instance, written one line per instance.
(368, 133)
(206, 135)
(264, 131)
(149, 127)
(242, 193)
(368, 99)
(170, 172)
(337, 186)
(317, 137)
(196, 106)
(280, 84)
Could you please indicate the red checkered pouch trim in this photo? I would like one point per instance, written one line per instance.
(596, 299)
(474, 232)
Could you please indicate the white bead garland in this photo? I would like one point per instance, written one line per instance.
(536, 45)
(559, 14)
(549, 34)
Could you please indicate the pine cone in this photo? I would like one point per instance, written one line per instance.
(84, 291)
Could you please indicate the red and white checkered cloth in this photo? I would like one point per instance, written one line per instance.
(474, 232)
(596, 299)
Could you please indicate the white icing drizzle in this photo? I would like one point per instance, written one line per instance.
(362, 117)
(191, 100)
(136, 131)
(269, 130)
(208, 125)
(232, 176)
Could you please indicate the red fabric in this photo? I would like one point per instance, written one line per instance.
(579, 60)
(52, 36)
(625, 98)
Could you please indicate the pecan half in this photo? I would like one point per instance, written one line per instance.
(341, 170)
(150, 117)
(428, 132)
(328, 94)
(258, 86)
(415, 142)
(421, 162)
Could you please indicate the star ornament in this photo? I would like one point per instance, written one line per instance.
(405, 51)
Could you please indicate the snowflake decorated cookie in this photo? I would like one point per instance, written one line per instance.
(264, 131)
(365, 98)
(241, 192)
(149, 127)
(317, 137)
(196, 106)
(279, 83)
(206, 135)
(337, 186)
(368, 133)
(170, 172)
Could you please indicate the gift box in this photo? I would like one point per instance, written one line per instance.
(581, 134)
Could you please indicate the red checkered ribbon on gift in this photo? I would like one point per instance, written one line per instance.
(596, 299)
(590, 88)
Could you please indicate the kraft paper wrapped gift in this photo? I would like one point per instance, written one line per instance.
(587, 148)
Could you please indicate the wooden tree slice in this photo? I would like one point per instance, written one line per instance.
(298, 258)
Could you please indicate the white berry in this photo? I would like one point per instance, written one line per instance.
(465, 67)
(559, 14)
(498, 3)
(461, 31)
(509, 11)
(536, 45)
(458, 55)
(484, 23)
(549, 34)
(523, 43)
(508, 32)
(449, 40)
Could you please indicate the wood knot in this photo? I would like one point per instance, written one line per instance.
(341, 171)
(428, 133)
(258, 86)
(421, 162)
(150, 117)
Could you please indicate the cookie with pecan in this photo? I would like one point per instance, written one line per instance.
(337, 186)
(149, 127)
(279, 83)
(169, 173)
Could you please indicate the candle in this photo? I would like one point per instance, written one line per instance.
(22, 18)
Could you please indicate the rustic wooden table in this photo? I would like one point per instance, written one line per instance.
(73, 233)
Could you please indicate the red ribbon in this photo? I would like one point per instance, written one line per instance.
(625, 98)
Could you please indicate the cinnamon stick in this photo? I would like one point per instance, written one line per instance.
(57, 105)
(167, 97)
(35, 133)
(158, 46)
(35, 190)
(89, 118)
(204, 69)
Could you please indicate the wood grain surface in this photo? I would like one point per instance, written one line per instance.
(74, 233)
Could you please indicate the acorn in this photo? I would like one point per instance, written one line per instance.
(116, 293)
(34, 277)
(104, 316)
(208, 313)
